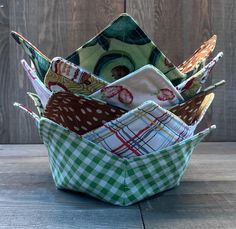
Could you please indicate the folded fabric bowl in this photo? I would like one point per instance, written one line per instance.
(146, 129)
(193, 110)
(123, 47)
(119, 49)
(147, 83)
(99, 149)
(66, 76)
(41, 90)
(78, 113)
(80, 165)
(194, 63)
(193, 85)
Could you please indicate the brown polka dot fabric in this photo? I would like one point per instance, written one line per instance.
(199, 56)
(192, 110)
(78, 113)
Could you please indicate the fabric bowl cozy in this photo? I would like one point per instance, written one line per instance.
(81, 165)
(134, 47)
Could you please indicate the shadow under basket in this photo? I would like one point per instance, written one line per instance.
(80, 165)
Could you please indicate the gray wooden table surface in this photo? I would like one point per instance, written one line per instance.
(206, 197)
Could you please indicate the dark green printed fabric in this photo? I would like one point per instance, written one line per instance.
(121, 48)
(41, 62)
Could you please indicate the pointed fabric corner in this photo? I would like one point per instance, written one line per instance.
(193, 85)
(41, 90)
(197, 61)
(27, 110)
(41, 62)
(66, 76)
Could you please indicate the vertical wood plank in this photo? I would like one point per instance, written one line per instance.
(57, 27)
(197, 26)
(204, 18)
(161, 23)
(224, 108)
(4, 70)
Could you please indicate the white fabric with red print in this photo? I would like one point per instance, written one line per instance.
(147, 83)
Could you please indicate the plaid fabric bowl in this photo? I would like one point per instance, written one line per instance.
(148, 128)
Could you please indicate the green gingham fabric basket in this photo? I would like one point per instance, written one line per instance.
(80, 165)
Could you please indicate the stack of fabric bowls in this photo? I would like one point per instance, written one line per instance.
(117, 116)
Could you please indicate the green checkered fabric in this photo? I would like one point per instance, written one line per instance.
(80, 165)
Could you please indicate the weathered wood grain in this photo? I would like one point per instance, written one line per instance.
(4, 71)
(224, 109)
(29, 199)
(162, 25)
(191, 211)
(213, 162)
(57, 27)
(206, 198)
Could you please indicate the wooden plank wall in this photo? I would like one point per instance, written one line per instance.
(179, 27)
(58, 27)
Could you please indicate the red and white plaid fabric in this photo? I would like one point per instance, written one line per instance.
(143, 130)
